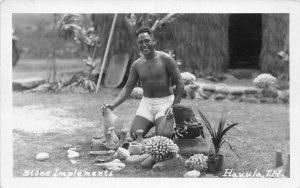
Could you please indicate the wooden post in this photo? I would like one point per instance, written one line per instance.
(278, 159)
(287, 169)
(106, 52)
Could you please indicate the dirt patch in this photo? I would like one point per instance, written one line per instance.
(37, 119)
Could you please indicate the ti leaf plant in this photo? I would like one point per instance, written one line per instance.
(218, 135)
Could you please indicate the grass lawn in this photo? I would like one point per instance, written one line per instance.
(39, 68)
(262, 129)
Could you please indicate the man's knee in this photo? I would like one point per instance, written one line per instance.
(142, 123)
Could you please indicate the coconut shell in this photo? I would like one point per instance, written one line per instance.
(42, 156)
(73, 155)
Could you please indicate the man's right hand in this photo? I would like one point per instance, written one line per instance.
(110, 106)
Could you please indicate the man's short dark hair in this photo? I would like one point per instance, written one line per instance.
(143, 29)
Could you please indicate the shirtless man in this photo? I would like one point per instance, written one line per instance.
(155, 70)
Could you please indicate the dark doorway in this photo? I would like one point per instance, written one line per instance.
(245, 38)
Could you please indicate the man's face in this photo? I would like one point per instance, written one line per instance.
(145, 43)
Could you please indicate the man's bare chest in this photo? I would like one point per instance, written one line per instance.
(152, 71)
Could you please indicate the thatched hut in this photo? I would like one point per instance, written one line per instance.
(209, 44)
(275, 38)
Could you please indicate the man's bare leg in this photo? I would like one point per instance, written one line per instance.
(158, 121)
(142, 123)
(151, 132)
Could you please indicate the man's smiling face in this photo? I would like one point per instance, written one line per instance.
(145, 43)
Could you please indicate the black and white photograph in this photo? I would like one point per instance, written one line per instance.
(197, 95)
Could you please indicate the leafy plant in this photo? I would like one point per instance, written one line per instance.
(84, 34)
(154, 21)
(218, 135)
(82, 29)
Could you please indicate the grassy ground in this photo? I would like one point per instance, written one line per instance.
(39, 68)
(263, 129)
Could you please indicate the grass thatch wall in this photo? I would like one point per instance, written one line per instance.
(275, 39)
(200, 40)
(122, 40)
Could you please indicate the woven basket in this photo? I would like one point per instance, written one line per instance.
(183, 113)
(187, 126)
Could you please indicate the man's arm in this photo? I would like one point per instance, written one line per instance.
(127, 89)
(175, 75)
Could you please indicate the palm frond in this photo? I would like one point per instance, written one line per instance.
(222, 142)
(71, 26)
(131, 21)
(155, 25)
(206, 122)
(230, 146)
(228, 128)
(218, 139)
(215, 133)
(91, 29)
(221, 126)
(166, 19)
(71, 18)
(215, 142)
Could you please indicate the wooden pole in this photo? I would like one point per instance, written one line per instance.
(287, 169)
(106, 51)
(278, 159)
